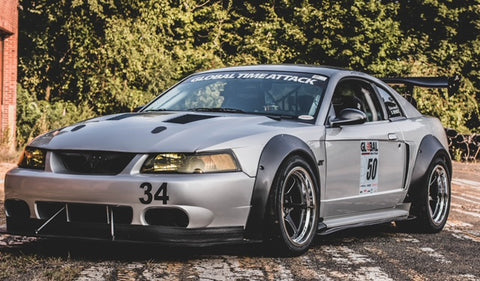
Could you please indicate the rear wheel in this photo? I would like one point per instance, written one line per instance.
(431, 203)
(294, 208)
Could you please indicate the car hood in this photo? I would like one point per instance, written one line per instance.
(165, 132)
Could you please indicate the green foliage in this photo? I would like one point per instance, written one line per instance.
(104, 56)
(448, 45)
(40, 116)
(453, 111)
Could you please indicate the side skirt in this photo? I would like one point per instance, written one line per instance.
(330, 225)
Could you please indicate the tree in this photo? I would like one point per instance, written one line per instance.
(448, 45)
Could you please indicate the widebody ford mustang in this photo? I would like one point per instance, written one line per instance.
(257, 153)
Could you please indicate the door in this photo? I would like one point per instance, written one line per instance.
(366, 163)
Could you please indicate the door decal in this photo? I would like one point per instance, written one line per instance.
(368, 167)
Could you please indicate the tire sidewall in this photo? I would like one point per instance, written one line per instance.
(278, 227)
(425, 214)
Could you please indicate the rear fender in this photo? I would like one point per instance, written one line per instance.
(429, 149)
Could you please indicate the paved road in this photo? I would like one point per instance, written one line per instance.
(371, 253)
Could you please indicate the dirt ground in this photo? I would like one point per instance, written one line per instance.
(469, 171)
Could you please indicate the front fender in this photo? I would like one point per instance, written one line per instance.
(273, 154)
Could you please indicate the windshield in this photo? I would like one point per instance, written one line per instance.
(289, 95)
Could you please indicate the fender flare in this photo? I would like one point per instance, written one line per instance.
(430, 147)
(274, 153)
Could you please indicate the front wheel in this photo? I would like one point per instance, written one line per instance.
(294, 207)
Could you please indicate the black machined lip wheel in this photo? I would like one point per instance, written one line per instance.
(438, 194)
(298, 205)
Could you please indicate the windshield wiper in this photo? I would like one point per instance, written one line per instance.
(212, 109)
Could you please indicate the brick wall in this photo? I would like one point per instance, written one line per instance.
(8, 88)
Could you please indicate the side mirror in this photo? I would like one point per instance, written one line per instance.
(349, 116)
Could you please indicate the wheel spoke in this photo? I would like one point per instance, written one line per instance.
(287, 192)
(433, 179)
(288, 219)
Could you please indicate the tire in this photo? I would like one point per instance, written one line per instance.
(293, 208)
(431, 204)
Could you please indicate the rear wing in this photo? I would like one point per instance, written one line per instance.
(452, 84)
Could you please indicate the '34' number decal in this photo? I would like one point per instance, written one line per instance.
(159, 195)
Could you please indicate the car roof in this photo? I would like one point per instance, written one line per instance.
(314, 69)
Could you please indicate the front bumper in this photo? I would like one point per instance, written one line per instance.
(126, 232)
(215, 207)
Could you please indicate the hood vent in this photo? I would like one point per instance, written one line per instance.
(188, 118)
(158, 130)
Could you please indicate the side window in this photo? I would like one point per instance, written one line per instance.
(357, 94)
(393, 110)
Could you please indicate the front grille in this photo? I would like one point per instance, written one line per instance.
(87, 213)
(94, 162)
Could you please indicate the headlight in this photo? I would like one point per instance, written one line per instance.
(33, 158)
(190, 163)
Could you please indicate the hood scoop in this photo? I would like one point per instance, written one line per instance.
(188, 118)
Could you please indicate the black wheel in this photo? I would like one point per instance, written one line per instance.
(431, 204)
(293, 208)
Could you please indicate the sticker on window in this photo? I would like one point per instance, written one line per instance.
(368, 167)
(297, 78)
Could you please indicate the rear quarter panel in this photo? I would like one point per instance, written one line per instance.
(420, 128)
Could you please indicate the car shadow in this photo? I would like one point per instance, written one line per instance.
(120, 251)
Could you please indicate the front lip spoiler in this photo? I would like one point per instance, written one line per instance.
(164, 235)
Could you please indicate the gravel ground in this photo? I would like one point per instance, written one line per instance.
(370, 253)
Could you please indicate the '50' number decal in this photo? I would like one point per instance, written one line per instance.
(160, 194)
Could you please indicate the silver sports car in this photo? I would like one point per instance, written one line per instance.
(258, 153)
